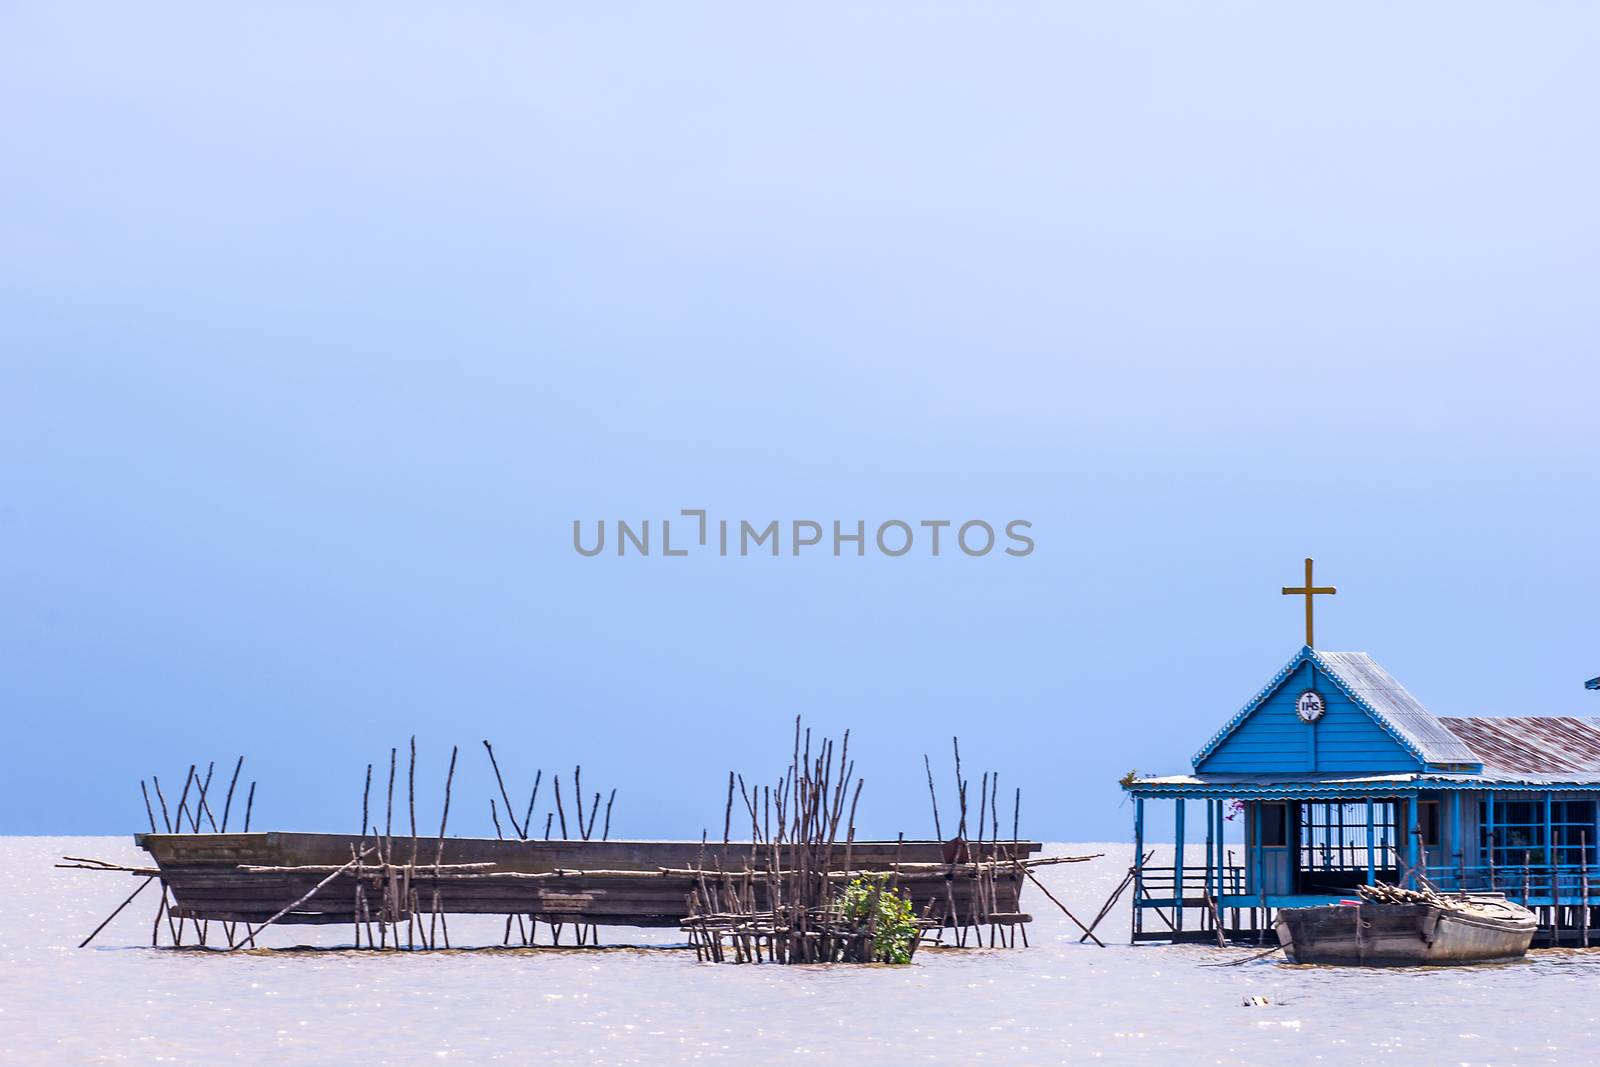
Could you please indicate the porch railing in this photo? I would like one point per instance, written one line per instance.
(1539, 882)
(1161, 882)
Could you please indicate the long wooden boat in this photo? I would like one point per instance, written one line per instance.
(1440, 931)
(248, 877)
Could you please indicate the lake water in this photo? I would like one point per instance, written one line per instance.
(1057, 1002)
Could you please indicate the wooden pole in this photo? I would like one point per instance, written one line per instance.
(933, 796)
(161, 912)
(1555, 890)
(1216, 918)
(1177, 864)
(1058, 903)
(166, 818)
(1136, 919)
(527, 818)
(227, 804)
(994, 806)
(411, 796)
(961, 789)
(577, 792)
(1489, 818)
(983, 804)
(438, 856)
(183, 801)
(366, 796)
(510, 813)
(200, 804)
(1372, 872)
(1583, 883)
(1116, 895)
(107, 921)
(313, 891)
(388, 818)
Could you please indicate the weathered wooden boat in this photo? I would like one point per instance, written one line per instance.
(249, 877)
(1403, 928)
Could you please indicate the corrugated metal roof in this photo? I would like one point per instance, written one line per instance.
(1519, 779)
(1347, 786)
(1274, 779)
(1378, 693)
(1372, 686)
(1523, 745)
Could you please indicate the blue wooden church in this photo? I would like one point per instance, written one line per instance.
(1340, 777)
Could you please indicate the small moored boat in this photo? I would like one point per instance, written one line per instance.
(1401, 927)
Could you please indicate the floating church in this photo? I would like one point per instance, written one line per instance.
(1340, 777)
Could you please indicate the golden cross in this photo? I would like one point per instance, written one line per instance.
(1309, 591)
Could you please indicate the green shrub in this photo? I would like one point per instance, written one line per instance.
(895, 931)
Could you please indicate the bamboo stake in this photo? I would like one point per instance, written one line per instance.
(183, 802)
(605, 833)
(166, 819)
(994, 807)
(107, 921)
(510, 814)
(983, 805)
(355, 906)
(147, 809)
(577, 792)
(961, 789)
(411, 797)
(527, 816)
(1216, 917)
(1060, 905)
(388, 811)
(439, 854)
(366, 795)
(1116, 895)
(161, 910)
(227, 804)
(200, 804)
(313, 891)
(249, 806)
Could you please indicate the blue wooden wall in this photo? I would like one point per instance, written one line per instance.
(1272, 738)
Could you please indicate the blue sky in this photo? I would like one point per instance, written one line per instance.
(319, 328)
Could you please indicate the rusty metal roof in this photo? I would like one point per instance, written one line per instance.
(1531, 744)
(1393, 705)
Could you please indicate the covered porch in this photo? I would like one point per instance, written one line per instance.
(1243, 847)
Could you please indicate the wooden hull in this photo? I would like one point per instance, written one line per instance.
(622, 883)
(1399, 935)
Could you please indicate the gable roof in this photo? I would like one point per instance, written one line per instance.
(1376, 692)
(1520, 745)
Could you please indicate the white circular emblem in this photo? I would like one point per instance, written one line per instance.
(1310, 706)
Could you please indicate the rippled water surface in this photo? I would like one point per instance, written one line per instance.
(1057, 1002)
